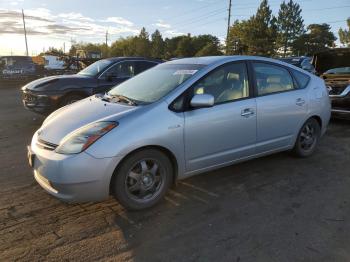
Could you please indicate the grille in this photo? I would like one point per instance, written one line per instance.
(46, 145)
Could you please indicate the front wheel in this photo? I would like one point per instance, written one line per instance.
(307, 139)
(142, 179)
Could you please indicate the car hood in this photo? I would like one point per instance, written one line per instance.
(69, 118)
(37, 84)
(333, 58)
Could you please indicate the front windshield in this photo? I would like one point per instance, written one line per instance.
(155, 83)
(95, 68)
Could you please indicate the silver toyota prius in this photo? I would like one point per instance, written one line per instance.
(178, 119)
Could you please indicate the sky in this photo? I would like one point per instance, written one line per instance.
(56, 23)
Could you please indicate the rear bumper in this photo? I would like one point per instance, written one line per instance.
(73, 178)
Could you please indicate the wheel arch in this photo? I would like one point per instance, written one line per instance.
(163, 149)
(318, 119)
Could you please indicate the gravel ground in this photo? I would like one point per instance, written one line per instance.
(276, 208)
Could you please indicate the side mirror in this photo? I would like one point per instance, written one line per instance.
(202, 100)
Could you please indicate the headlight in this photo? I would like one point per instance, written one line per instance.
(84, 137)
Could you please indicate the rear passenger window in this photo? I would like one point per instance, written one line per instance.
(301, 78)
(272, 79)
(144, 65)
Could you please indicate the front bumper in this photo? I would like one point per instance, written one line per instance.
(72, 178)
(40, 103)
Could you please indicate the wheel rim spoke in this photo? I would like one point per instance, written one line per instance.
(134, 187)
(138, 185)
(154, 169)
(144, 166)
(134, 175)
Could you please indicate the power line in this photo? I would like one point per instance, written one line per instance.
(204, 15)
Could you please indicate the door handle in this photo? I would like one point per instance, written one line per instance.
(300, 102)
(247, 112)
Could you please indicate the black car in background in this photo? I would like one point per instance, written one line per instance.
(333, 66)
(302, 62)
(47, 94)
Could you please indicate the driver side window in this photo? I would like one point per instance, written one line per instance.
(227, 83)
(121, 70)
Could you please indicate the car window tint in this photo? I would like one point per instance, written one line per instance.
(144, 65)
(227, 83)
(271, 79)
(301, 78)
(122, 70)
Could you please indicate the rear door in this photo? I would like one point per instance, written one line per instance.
(141, 66)
(226, 131)
(281, 106)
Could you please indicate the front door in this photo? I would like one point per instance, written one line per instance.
(115, 75)
(226, 131)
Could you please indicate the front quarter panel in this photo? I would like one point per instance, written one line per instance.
(155, 125)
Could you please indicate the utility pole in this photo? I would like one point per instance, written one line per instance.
(107, 37)
(25, 32)
(228, 24)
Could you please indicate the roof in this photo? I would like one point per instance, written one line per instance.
(207, 60)
(122, 58)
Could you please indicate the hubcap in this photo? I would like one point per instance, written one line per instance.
(307, 137)
(144, 180)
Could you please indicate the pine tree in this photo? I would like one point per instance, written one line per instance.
(255, 36)
(290, 25)
(344, 35)
(158, 45)
(143, 45)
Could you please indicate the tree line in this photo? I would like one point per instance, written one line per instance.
(262, 34)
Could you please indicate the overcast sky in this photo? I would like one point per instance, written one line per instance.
(55, 22)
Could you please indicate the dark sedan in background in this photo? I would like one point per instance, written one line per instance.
(47, 94)
(334, 67)
(302, 62)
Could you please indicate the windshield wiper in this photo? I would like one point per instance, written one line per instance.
(122, 98)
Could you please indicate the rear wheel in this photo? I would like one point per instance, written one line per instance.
(307, 139)
(142, 179)
(70, 99)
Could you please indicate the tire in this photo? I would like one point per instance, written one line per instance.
(70, 99)
(138, 184)
(307, 139)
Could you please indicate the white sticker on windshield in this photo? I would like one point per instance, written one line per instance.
(185, 72)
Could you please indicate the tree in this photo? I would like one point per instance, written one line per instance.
(255, 36)
(143, 45)
(290, 25)
(185, 47)
(124, 47)
(344, 35)
(206, 45)
(318, 38)
(158, 45)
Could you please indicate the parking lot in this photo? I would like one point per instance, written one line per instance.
(277, 208)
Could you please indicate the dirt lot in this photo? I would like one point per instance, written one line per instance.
(276, 208)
